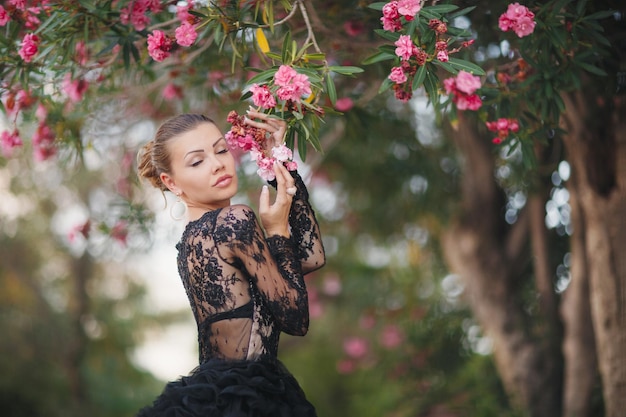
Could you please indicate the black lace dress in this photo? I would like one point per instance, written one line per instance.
(244, 290)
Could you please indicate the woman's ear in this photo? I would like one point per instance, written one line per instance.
(169, 183)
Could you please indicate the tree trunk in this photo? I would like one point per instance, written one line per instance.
(596, 150)
(486, 253)
(579, 348)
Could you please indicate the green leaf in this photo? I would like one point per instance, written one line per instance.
(378, 57)
(345, 70)
(330, 89)
(431, 84)
(286, 46)
(440, 8)
(377, 5)
(600, 15)
(418, 80)
(461, 64)
(461, 12)
(263, 76)
(592, 69)
(390, 36)
(385, 85)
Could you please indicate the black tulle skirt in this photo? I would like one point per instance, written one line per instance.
(219, 388)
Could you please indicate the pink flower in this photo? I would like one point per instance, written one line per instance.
(524, 26)
(354, 27)
(282, 153)
(284, 75)
(9, 141)
(182, 13)
(292, 85)
(356, 347)
(74, 89)
(266, 170)
(519, 19)
(344, 104)
(119, 232)
(82, 55)
(29, 47)
(41, 113)
(397, 75)
(172, 91)
(332, 285)
(291, 165)
(391, 337)
(405, 47)
(43, 142)
(467, 82)
(468, 102)
(443, 56)
(186, 34)
(408, 8)
(159, 45)
(346, 366)
(18, 4)
(262, 96)
(4, 16)
(449, 84)
(79, 229)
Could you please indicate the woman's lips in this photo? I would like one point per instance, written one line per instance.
(223, 181)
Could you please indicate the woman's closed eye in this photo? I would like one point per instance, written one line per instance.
(196, 163)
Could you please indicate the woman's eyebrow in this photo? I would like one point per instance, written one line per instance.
(218, 141)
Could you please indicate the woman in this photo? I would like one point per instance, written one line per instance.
(245, 286)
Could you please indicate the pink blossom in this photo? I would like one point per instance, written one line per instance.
(443, 56)
(119, 232)
(344, 104)
(266, 169)
(41, 113)
(405, 47)
(293, 85)
(390, 10)
(159, 45)
(397, 75)
(468, 102)
(186, 34)
(354, 27)
(74, 89)
(135, 13)
(391, 337)
(172, 91)
(356, 347)
(282, 153)
(467, 82)
(346, 366)
(262, 96)
(82, 55)
(79, 229)
(291, 165)
(392, 25)
(43, 142)
(449, 84)
(284, 75)
(4, 16)
(18, 4)
(408, 8)
(332, 285)
(182, 13)
(524, 26)
(30, 15)
(517, 18)
(29, 47)
(9, 141)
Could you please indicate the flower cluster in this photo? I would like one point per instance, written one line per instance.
(414, 50)
(289, 86)
(252, 139)
(160, 44)
(394, 11)
(136, 13)
(503, 127)
(518, 19)
(463, 89)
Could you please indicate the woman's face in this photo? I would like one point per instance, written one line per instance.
(203, 169)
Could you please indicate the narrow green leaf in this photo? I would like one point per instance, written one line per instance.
(377, 5)
(390, 36)
(418, 80)
(461, 12)
(345, 70)
(286, 45)
(378, 57)
(330, 89)
(600, 15)
(461, 64)
(263, 76)
(385, 85)
(592, 69)
(440, 8)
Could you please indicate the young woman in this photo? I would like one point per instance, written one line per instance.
(244, 282)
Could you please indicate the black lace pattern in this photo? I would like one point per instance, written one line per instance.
(245, 288)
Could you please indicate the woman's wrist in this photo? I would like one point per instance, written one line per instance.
(284, 232)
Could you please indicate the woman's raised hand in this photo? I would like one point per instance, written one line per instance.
(274, 126)
(275, 217)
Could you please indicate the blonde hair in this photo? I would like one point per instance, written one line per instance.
(154, 158)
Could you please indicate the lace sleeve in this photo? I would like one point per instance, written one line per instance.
(305, 230)
(271, 264)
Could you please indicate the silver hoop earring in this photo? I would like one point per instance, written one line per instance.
(178, 201)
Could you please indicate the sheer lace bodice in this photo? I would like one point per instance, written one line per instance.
(245, 288)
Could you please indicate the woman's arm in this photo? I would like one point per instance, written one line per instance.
(271, 263)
